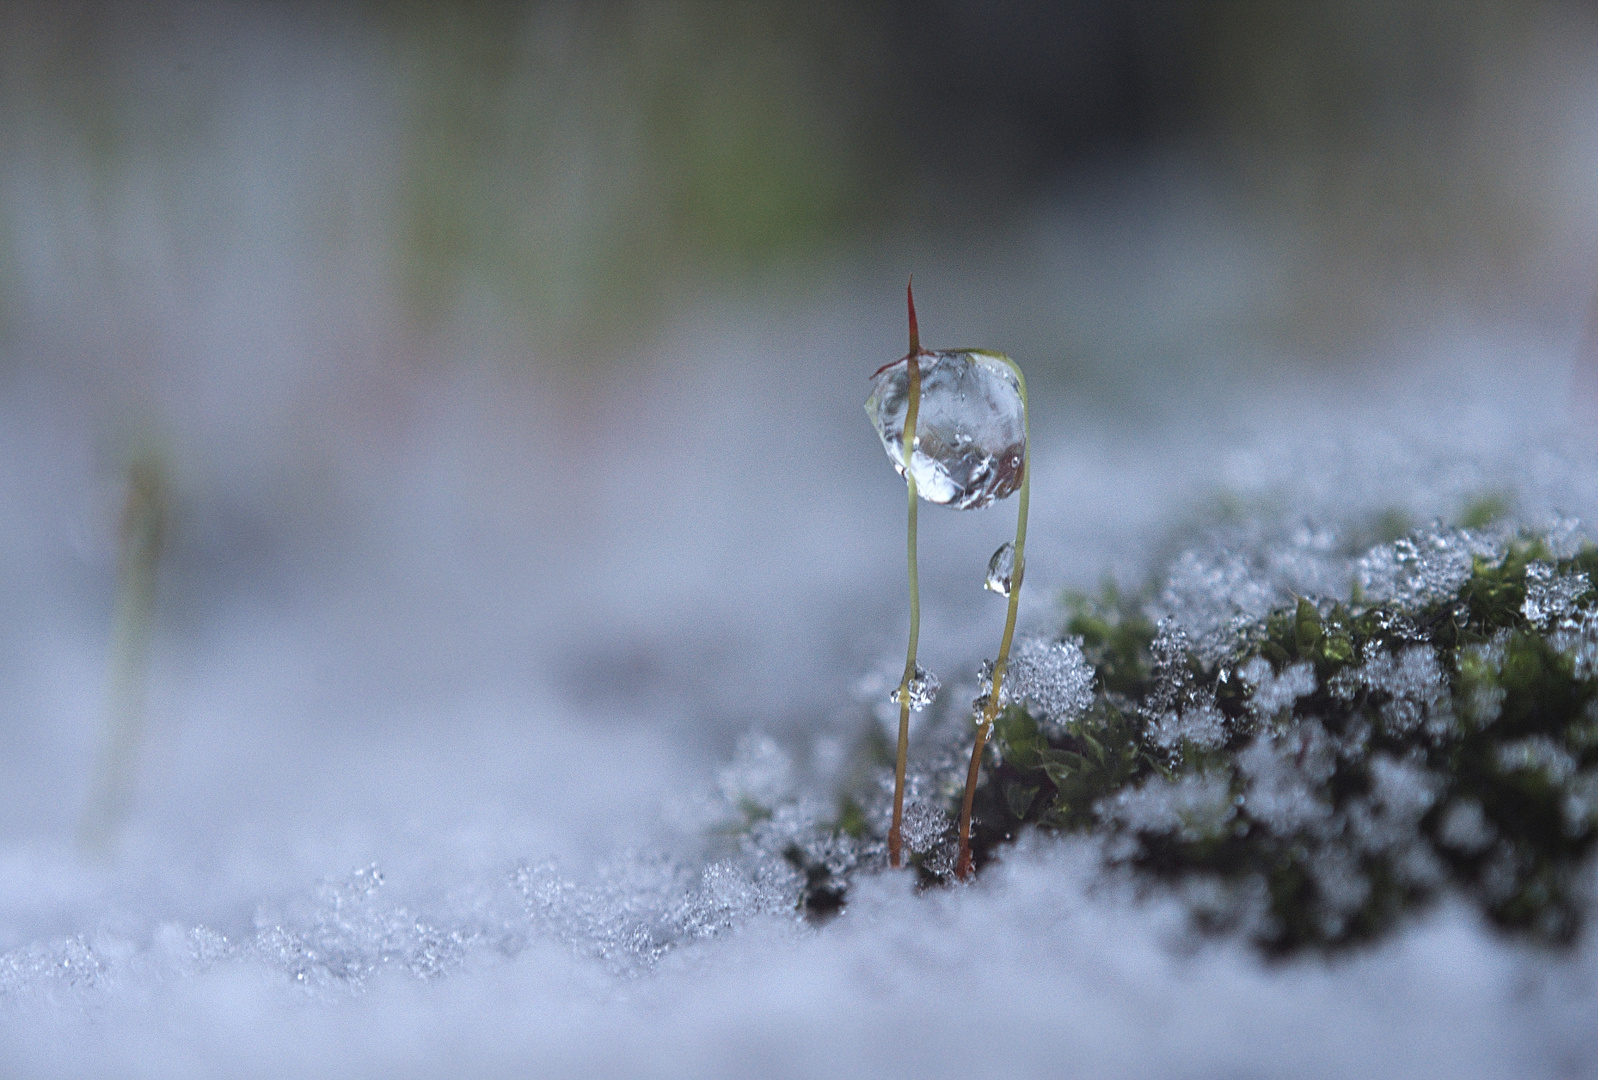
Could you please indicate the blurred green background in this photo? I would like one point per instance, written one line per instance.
(572, 174)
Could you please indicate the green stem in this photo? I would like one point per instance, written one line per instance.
(911, 415)
(963, 866)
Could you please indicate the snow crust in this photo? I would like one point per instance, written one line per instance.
(1054, 963)
(451, 920)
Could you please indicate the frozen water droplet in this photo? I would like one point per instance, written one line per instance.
(923, 689)
(1001, 570)
(970, 437)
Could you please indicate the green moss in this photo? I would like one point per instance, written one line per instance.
(851, 818)
(1392, 524)
(1511, 728)
(1484, 510)
(1116, 636)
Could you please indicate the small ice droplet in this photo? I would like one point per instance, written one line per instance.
(970, 438)
(1001, 570)
(923, 689)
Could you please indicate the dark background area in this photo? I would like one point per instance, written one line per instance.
(584, 169)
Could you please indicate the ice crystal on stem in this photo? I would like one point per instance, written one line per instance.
(1051, 678)
(920, 691)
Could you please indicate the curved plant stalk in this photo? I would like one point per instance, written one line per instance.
(963, 867)
(911, 414)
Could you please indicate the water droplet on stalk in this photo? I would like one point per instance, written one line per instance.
(1001, 570)
(970, 437)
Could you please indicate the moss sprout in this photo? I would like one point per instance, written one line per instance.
(912, 362)
(995, 695)
(954, 424)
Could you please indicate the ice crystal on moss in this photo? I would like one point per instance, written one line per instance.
(1203, 726)
(1287, 774)
(925, 824)
(1554, 603)
(1194, 807)
(1428, 565)
(346, 932)
(1387, 821)
(1409, 688)
(1580, 804)
(1563, 536)
(760, 775)
(1483, 694)
(1213, 594)
(1465, 827)
(1237, 576)
(69, 965)
(1273, 691)
(641, 908)
(1172, 677)
(1551, 597)
(1537, 754)
(1051, 677)
(1577, 638)
(1179, 711)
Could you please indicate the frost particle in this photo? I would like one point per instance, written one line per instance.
(1051, 677)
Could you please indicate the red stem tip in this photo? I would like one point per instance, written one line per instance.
(910, 300)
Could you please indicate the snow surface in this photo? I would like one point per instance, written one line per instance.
(366, 849)
(1023, 975)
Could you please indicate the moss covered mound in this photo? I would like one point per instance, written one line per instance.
(1309, 775)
